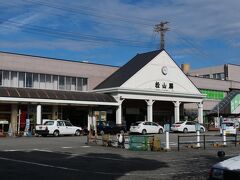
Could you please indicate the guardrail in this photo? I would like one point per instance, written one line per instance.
(235, 139)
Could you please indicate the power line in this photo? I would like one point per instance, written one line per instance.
(92, 12)
(73, 35)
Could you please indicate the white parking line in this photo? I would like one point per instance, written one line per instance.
(42, 150)
(85, 146)
(11, 150)
(66, 147)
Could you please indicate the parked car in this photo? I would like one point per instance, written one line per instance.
(57, 127)
(186, 126)
(145, 127)
(228, 169)
(230, 128)
(110, 127)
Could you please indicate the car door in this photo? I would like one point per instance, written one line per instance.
(193, 127)
(148, 127)
(190, 126)
(70, 129)
(155, 127)
(61, 127)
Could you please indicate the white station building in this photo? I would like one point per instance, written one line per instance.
(150, 87)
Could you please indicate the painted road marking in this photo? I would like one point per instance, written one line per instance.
(66, 147)
(85, 146)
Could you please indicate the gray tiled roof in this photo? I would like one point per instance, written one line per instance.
(54, 94)
(128, 70)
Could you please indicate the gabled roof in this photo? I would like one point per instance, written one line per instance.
(128, 70)
(54, 94)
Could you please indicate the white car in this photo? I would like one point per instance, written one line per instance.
(145, 127)
(186, 126)
(228, 169)
(57, 127)
(230, 128)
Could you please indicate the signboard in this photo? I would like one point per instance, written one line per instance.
(164, 85)
(167, 127)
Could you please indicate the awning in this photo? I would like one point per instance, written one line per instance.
(54, 96)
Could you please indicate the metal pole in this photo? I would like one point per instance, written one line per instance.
(167, 140)
(178, 143)
(236, 140)
(224, 138)
(198, 138)
(19, 117)
(204, 142)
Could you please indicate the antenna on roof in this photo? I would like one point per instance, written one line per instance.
(161, 29)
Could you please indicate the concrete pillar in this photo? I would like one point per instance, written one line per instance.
(176, 111)
(14, 118)
(90, 118)
(150, 110)
(119, 112)
(39, 114)
(200, 112)
(55, 112)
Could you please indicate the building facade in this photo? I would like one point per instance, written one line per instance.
(150, 87)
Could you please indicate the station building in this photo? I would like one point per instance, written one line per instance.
(150, 87)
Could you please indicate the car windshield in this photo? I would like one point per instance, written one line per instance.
(49, 123)
(136, 123)
(178, 123)
(229, 124)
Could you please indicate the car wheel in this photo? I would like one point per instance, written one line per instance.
(77, 133)
(144, 131)
(201, 130)
(185, 130)
(56, 133)
(160, 131)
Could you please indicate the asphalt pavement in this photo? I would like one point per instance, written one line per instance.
(70, 158)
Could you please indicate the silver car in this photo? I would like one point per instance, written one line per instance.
(228, 169)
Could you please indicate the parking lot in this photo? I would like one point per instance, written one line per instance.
(70, 158)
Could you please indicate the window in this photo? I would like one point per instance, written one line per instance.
(0, 78)
(73, 84)
(67, 123)
(84, 84)
(29, 79)
(6, 78)
(206, 76)
(55, 82)
(62, 82)
(60, 123)
(79, 84)
(21, 79)
(42, 81)
(68, 83)
(49, 84)
(49, 123)
(36, 80)
(14, 79)
(219, 76)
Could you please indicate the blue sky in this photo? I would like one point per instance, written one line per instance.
(202, 32)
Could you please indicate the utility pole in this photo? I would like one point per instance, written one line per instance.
(161, 29)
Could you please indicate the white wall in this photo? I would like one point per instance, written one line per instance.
(152, 73)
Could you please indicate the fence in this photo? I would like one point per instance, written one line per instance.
(235, 139)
